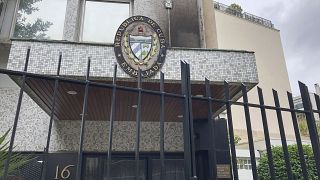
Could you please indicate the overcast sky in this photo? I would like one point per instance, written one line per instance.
(299, 25)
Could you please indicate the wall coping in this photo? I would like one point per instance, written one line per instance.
(111, 45)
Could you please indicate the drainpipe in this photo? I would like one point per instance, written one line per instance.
(168, 5)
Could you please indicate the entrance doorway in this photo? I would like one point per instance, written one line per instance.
(123, 167)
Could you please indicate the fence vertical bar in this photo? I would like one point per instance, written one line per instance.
(83, 119)
(317, 98)
(212, 154)
(138, 121)
(112, 118)
(314, 137)
(46, 150)
(249, 131)
(298, 137)
(162, 116)
(266, 134)
(282, 134)
(191, 129)
(186, 135)
(230, 129)
(16, 119)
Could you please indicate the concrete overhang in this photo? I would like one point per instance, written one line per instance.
(235, 67)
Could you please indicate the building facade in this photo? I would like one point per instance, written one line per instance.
(218, 45)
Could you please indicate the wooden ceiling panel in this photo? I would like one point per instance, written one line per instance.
(69, 106)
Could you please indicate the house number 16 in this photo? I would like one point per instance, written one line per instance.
(65, 173)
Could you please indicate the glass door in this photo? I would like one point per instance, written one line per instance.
(121, 169)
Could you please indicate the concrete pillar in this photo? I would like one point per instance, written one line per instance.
(72, 21)
(209, 22)
(7, 19)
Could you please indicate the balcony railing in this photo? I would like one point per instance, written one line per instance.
(245, 15)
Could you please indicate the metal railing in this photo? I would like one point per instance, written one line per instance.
(245, 15)
(190, 164)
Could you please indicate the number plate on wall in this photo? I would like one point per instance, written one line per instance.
(61, 166)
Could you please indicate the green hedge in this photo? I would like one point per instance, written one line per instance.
(280, 167)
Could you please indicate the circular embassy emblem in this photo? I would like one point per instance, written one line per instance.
(140, 44)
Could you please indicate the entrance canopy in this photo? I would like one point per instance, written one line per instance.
(70, 98)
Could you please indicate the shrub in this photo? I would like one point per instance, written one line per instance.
(280, 167)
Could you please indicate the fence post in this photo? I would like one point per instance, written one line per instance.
(212, 153)
(15, 124)
(186, 125)
(230, 128)
(249, 132)
(46, 150)
(112, 118)
(314, 137)
(266, 134)
(282, 134)
(83, 119)
(138, 124)
(162, 117)
(316, 96)
(298, 137)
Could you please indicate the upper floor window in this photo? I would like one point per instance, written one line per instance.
(40, 19)
(244, 163)
(102, 19)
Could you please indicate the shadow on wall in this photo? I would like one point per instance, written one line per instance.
(4, 54)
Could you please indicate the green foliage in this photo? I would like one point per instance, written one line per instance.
(303, 126)
(235, 7)
(17, 160)
(24, 29)
(237, 139)
(280, 167)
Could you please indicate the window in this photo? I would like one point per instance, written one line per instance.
(298, 105)
(244, 163)
(40, 19)
(102, 19)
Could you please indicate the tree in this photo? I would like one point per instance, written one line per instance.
(17, 160)
(24, 29)
(234, 9)
(280, 167)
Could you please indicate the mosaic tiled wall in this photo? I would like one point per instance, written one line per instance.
(216, 65)
(33, 128)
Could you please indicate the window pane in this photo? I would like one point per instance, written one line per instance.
(122, 169)
(102, 20)
(174, 169)
(40, 19)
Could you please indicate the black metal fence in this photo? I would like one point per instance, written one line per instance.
(190, 169)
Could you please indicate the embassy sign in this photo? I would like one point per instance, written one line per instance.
(140, 44)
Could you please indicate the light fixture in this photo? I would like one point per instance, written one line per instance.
(180, 116)
(199, 95)
(40, 161)
(72, 92)
(134, 106)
